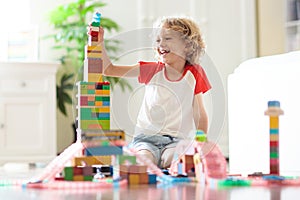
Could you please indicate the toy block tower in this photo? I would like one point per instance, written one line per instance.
(93, 52)
(274, 111)
(93, 93)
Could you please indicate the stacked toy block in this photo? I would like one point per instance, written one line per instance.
(125, 167)
(274, 111)
(94, 105)
(76, 173)
(103, 142)
(86, 173)
(93, 93)
(100, 143)
(93, 52)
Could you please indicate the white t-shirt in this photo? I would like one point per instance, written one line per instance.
(167, 107)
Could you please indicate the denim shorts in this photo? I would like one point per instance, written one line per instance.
(156, 144)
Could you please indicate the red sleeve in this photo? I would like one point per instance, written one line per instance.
(147, 71)
(202, 82)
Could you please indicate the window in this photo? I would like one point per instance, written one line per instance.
(18, 37)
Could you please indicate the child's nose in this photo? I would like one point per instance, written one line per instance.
(162, 43)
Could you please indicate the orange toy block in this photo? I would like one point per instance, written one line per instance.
(144, 178)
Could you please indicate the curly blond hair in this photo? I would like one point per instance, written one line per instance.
(190, 32)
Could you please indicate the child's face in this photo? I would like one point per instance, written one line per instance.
(170, 46)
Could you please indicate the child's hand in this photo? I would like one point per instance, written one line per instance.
(101, 34)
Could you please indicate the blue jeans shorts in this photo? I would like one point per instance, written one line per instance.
(156, 144)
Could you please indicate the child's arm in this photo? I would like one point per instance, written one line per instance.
(109, 69)
(200, 115)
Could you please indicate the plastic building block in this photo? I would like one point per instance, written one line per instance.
(103, 150)
(274, 111)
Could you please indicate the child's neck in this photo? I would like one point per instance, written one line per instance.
(174, 72)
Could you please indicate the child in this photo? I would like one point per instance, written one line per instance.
(172, 107)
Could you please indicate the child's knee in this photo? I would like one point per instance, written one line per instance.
(167, 157)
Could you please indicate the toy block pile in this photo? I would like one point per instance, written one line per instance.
(102, 154)
(207, 161)
(125, 166)
(117, 167)
(78, 173)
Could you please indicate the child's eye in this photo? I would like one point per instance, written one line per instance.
(157, 40)
(168, 38)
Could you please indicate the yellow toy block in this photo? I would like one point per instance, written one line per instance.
(102, 92)
(274, 122)
(91, 160)
(93, 55)
(133, 179)
(95, 77)
(104, 109)
(106, 92)
(93, 48)
(78, 178)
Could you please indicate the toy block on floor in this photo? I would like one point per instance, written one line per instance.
(133, 179)
(151, 178)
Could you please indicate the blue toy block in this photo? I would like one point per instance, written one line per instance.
(151, 178)
(103, 150)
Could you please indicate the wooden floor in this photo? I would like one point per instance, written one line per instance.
(153, 192)
(183, 191)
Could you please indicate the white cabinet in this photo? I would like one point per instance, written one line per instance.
(27, 112)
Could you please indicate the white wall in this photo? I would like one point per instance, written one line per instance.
(228, 40)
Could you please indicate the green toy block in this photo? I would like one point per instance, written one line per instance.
(84, 91)
(122, 159)
(88, 178)
(96, 24)
(91, 103)
(68, 173)
(274, 155)
(95, 124)
(106, 87)
(91, 91)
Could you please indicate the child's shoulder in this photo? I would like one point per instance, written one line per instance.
(151, 63)
(195, 68)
